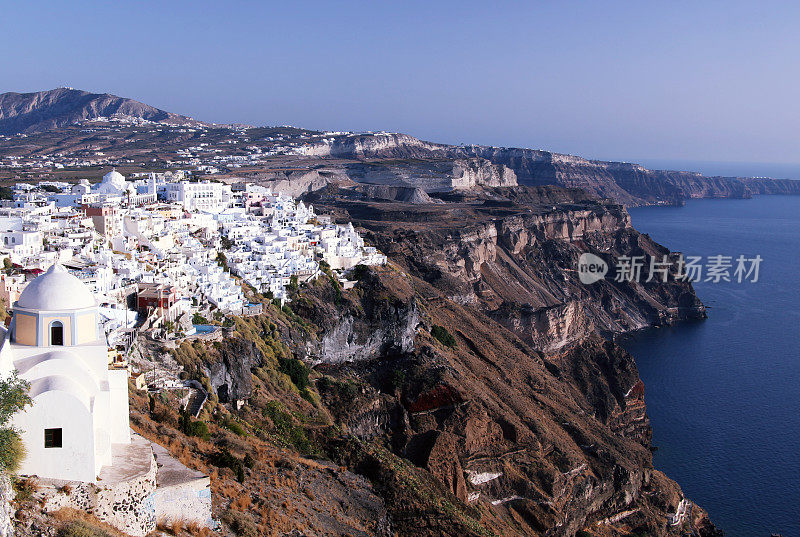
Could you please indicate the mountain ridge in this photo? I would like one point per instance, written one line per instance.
(628, 183)
(51, 109)
(389, 159)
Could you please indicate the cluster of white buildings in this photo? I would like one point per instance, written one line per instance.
(173, 240)
(226, 148)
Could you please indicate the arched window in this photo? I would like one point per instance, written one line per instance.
(56, 333)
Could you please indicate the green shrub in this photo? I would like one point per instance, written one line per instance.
(281, 420)
(200, 430)
(236, 428)
(192, 427)
(285, 428)
(398, 379)
(12, 450)
(24, 489)
(337, 290)
(443, 336)
(297, 371)
(305, 393)
(199, 319)
(13, 398)
(343, 390)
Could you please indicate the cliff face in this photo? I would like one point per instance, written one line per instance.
(469, 173)
(626, 183)
(519, 267)
(381, 329)
(529, 410)
(630, 184)
(44, 110)
(374, 146)
(230, 373)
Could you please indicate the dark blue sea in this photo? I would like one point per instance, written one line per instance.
(724, 394)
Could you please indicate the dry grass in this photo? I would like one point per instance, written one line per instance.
(242, 503)
(197, 530)
(71, 517)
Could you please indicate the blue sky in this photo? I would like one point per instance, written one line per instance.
(712, 81)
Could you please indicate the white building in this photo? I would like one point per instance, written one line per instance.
(22, 243)
(200, 196)
(80, 404)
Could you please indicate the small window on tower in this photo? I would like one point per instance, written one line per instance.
(52, 438)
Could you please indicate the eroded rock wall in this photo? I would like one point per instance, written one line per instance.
(6, 509)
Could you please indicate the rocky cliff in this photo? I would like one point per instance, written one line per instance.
(626, 183)
(373, 146)
(44, 110)
(518, 264)
(527, 410)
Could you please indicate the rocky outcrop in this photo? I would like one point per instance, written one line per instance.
(469, 173)
(405, 194)
(379, 324)
(6, 510)
(296, 183)
(373, 146)
(230, 374)
(44, 110)
(350, 340)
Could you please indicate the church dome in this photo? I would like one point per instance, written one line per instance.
(115, 178)
(56, 290)
(113, 183)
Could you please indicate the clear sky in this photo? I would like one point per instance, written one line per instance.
(714, 81)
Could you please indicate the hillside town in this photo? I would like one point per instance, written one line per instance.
(213, 149)
(180, 247)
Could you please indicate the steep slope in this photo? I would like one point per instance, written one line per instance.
(44, 110)
(523, 410)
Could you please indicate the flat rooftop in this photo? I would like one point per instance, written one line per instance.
(128, 461)
(171, 471)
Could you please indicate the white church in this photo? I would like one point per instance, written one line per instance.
(80, 402)
(77, 431)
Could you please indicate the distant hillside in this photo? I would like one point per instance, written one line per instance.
(45, 110)
(629, 184)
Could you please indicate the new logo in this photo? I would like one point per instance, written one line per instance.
(591, 268)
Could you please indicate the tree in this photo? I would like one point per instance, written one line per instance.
(13, 398)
